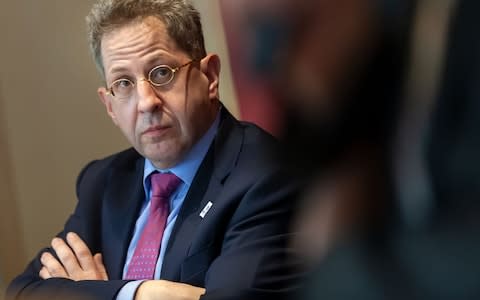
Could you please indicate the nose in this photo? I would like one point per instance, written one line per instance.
(148, 99)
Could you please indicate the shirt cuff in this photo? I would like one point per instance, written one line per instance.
(127, 292)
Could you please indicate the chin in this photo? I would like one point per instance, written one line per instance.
(162, 159)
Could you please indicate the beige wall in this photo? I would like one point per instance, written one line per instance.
(51, 122)
(10, 231)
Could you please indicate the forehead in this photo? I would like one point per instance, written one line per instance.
(136, 40)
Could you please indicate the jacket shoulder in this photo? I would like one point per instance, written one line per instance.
(96, 172)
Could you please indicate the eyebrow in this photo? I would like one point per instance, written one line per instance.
(118, 70)
(159, 60)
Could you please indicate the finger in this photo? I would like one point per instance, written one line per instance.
(98, 259)
(66, 256)
(52, 266)
(82, 253)
(44, 274)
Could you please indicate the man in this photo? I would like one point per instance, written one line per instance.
(221, 228)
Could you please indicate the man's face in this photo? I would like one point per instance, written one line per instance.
(162, 123)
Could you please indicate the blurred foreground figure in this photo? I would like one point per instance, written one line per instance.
(381, 121)
(394, 212)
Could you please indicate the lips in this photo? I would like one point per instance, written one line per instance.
(155, 130)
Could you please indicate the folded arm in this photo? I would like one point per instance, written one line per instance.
(76, 262)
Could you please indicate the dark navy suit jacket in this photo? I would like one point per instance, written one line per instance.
(239, 246)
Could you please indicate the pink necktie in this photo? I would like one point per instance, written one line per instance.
(142, 264)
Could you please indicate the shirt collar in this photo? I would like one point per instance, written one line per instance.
(187, 168)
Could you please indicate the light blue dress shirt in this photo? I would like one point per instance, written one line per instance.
(186, 171)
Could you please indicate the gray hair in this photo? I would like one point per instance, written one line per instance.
(181, 20)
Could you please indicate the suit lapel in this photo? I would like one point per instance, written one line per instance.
(179, 241)
(122, 202)
(206, 186)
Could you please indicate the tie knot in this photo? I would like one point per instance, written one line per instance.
(163, 184)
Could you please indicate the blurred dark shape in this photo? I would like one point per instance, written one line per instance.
(454, 143)
(353, 55)
(366, 245)
(346, 68)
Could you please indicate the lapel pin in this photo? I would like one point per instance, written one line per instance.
(206, 209)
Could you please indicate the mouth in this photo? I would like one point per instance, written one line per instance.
(155, 130)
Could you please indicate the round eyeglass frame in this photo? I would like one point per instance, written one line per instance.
(172, 71)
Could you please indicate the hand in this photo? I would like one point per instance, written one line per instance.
(163, 289)
(78, 264)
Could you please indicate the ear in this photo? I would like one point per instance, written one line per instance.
(107, 101)
(210, 66)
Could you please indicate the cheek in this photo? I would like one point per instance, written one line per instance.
(185, 125)
(125, 119)
(194, 124)
(194, 111)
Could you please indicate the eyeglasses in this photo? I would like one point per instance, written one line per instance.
(161, 75)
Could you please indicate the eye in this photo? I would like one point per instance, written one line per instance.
(161, 75)
(122, 87)
(122, 83)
